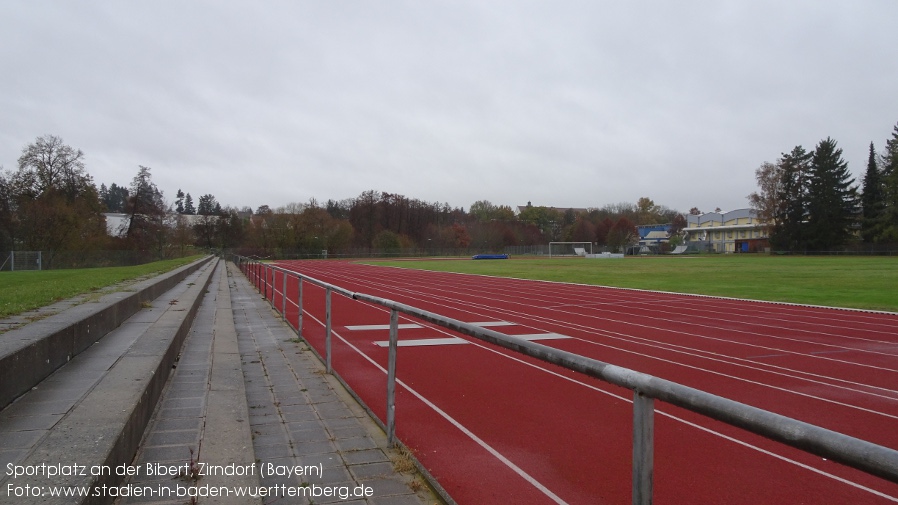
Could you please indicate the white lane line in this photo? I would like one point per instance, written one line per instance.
(541, 336)
(689, 423)
(423, 342)
(589, 386)
(455, 340)
(362, 327)
(408, 326)
(768, 367)
(479, 441)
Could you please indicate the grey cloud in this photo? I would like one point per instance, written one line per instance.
(560, 103)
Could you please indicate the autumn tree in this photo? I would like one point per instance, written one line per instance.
(484, 210)
(766, 201)
(647, 211)
(51, 201)
(678, 224)
(387, 242)
(146, 229)
(622, 234)
(7, 218)
(582, 231)
(547, 219)
(603, 228)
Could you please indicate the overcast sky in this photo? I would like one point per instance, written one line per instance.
(561, 103)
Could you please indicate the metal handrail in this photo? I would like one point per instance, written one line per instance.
(868, 457)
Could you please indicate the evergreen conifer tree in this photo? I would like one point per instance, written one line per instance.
(179, 201)
(188, 205)
(889, 219)
(832, 203)
(791, 212)
(873, 199)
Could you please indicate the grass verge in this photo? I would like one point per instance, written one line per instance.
(835, 281)
(27, 290)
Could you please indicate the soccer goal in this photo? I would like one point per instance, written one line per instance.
(570, 249)
(22, 260)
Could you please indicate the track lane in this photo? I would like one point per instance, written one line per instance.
(425, 289)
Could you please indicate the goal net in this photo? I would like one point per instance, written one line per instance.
(21, 260)
(569, 248)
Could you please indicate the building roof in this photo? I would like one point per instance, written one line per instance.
(717, 217)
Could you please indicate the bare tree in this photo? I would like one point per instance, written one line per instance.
(48, 163)
(146, 211)
(52, 202)
(767, 200)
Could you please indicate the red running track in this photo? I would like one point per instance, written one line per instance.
(496, 427)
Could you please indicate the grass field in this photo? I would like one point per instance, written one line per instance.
(836, 281)
(26, 290)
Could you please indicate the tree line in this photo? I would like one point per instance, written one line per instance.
(51, 203)
(810, 201)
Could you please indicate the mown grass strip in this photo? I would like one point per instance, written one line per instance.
(834, 281)
(26, 290)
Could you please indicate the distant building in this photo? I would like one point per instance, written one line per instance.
(652, 237)
(117, 223)
(735, 231)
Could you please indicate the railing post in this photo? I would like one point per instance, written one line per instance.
(269, 285)
(284, 297)
(272, 286)
(643, 448)
(299, 305)
(327, 317)
(391, 377)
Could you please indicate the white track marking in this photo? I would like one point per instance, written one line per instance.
(503, 353)
(667, 330)
(490, 324)
(363, 327)
(613, 395)
(821, 472)
(541, 336)
(479, 441)
(699, 353)
(423, 342)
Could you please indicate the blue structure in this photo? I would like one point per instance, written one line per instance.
(489, 257)
(651, 236)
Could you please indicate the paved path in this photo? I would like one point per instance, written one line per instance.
(285, 414)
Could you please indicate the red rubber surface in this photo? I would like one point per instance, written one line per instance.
(496, 427)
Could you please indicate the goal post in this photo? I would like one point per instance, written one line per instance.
(22, 260)
(569, 249)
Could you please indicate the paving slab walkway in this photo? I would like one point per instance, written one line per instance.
(283, 426)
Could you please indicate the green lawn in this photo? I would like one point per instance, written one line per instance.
(26, 290)
(837, 281)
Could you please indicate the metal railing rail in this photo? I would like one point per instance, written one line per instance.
(868, 457)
